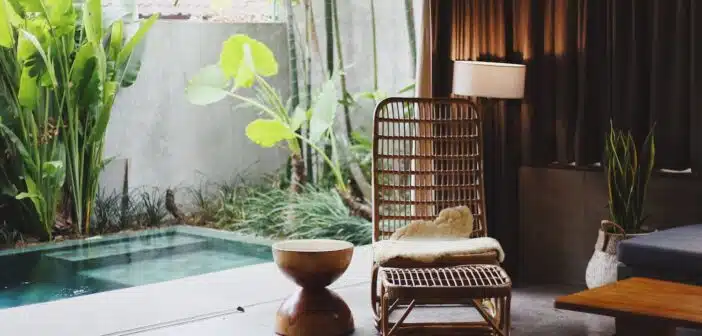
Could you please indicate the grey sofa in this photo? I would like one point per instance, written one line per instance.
(672, 254)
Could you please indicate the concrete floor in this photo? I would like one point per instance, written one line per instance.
(532, 314)
(206, 305)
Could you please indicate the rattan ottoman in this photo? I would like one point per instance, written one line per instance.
(487, 288)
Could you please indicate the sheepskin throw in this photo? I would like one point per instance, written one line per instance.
(454, 223)
(426, 241)
(429, 250)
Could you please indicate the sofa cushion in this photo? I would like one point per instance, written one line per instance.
(678, 250)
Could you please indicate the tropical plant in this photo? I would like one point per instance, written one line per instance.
(244, 62)
(628, 170)
(262, 210)
(323, 214)
(152, 206)
(62, 65)
(107, 212)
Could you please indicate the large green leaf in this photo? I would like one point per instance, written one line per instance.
(60, 14)
(52, 168)
(32, 32)
(8, 134)
(85, 76)
(33, 6)
(243, 58)
(208, 86)
(116, 39)
(144, 28)
(34, 194)
(7, 39)
(92, 20)
(128, 73)
(268, 132)
(12, 11)
(33, 41)
(100, 128)
(28, 89)
(324, 110)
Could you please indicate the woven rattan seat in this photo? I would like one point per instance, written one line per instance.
(460, 282)
(485, 287)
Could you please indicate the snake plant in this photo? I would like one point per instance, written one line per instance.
(628, 170)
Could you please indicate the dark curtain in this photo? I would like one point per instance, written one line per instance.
(638, 62)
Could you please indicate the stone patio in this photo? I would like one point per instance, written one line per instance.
(207, 305)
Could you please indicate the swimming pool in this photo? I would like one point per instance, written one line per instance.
(73, 268)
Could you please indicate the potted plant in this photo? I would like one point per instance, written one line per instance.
(627, 169)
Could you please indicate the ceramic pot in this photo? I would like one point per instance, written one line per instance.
(602, 267)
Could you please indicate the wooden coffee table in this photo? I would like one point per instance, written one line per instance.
(641, 306)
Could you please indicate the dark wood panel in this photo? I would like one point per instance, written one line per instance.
(560, 212)
(549, 211)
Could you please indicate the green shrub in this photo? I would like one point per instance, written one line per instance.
(106, 212)
(322, 214)
(153, 207)
(269, 211)
(255, 210)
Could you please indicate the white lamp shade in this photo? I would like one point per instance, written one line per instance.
(488, 79)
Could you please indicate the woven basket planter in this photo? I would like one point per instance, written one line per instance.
(602, 267)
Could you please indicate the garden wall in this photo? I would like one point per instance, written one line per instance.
(172, 143)
(395, 68)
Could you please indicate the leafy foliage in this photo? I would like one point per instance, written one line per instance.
(62, 66)
(244, 62)
(107, 212)
(323, 214)
(203, 200)
(628, 170)
(153, 207)
(264, 210)
(362, 150)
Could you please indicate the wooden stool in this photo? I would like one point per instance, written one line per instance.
(472, 284)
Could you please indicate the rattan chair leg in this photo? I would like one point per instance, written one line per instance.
(393, 306)
(507, 314)
(374, 290)
(402, 318)
(499, 306)
(489, 319)
(384, 314)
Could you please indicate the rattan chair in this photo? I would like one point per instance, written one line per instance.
(427, 156)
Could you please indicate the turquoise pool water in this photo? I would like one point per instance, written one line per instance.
(69, 269)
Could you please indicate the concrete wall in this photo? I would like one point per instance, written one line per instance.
(172, 143)
(395, 68)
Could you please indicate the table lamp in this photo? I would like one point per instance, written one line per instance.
(488, 80)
